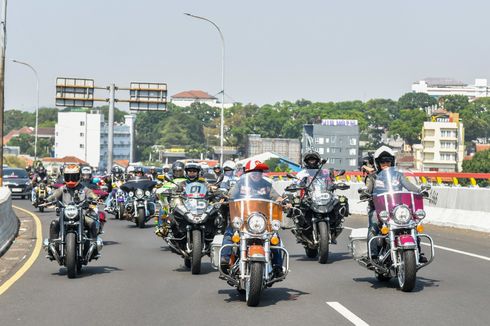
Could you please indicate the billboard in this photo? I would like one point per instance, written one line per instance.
(148, 96)
(74, 92)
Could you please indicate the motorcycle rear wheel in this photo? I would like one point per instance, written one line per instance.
(71, 255)
(141, 218)
(324, 235)
(254, 289)
(407, 271)
(196, 252)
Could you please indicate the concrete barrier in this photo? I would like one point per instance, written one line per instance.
(9, 223)
(466, 208)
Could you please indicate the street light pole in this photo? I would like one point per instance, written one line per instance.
(37, 103)
(222, 128)
(3, 40)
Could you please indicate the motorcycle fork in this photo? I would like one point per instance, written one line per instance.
(315, 230)
(62, 232)
(81, 226)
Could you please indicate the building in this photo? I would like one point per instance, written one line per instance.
(442, 146)
(285, 147)
(438, 87)
(337, 141)
(186, 98)
(41, 133)
(85, 134)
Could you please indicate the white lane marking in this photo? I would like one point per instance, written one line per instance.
(347, 314)
(447, 249)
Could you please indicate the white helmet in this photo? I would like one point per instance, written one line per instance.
(229, 165)
(384, 153)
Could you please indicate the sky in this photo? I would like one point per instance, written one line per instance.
(325, 50)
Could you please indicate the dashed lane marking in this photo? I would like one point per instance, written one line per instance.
(35, 253)
(447, 249)
(349, 315)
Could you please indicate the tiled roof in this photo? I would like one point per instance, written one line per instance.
(482, 147)
(15, 133)
(122, 163)
(194, 94)
(66, 159)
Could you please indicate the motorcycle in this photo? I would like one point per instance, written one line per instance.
(73, 248)
(140, 204)
(118, 204)
(400, 213)
(196, 222)
(42, 191)
(318, 213)
(256, 223)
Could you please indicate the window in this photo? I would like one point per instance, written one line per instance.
(447, 157)
(327, 140)
(335, 150)
(353, 141)
(333, 139)
(352, 162)
(327, 149)
(82, 123)
(448, 144)
(352, 151)
(82, 134)
(321, 150)
(319, 140)
(82, 146)
(448, 133)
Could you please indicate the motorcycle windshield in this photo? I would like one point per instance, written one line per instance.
(144, 184)
(246, 207)
(252, 185)
(320, 185)
(388, 193)
(195, 193)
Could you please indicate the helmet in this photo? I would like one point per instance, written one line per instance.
(217, 167)
(255, 166)
(86, 170)
(193, 166)
(72, 175)
(311, 154)
(166, 168)
(139, 169)
(229, 165)
(130, 169)
(383, 154)
(116, 170)
(178, 169)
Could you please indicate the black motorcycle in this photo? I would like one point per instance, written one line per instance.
(317, 212)
(41, 190)
(195, 222)
(140, 204)
(73, 248)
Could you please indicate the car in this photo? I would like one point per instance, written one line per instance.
(18, 182)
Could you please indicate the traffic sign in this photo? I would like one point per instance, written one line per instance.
(74, 92)
(148, 96)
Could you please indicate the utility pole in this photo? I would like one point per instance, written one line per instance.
(3, 38)
(110, 137)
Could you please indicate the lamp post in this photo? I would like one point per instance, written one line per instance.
(37, 103)
(222, 128)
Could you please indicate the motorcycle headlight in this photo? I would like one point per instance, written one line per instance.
(383, 216)
(147, 193)
(275, 225)
(71, 212)
(420, 213)
(256, 223)
(131, 194)
(139, 193)
(237, 223)
(195, 218)
(401, 214)
(321, 197)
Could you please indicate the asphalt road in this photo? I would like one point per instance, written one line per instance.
(138, 281)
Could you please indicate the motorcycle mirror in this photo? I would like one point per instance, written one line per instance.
(323, 161)
(291, 176)
(426, 186)
(361, 190)
(341, 172)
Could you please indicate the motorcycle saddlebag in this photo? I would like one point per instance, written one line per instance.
(358, 242)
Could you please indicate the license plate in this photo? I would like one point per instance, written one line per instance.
(16, 189)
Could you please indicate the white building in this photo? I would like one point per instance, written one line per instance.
(84, 135)
(438, 87)
(186, 98)
(442, 147)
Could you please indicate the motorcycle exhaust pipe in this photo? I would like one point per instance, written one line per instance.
(55, 254)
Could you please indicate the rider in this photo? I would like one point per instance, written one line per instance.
(152, 173)
(254, 185)
(217, 171)
(384, 158)
(229, 178)
(66, 194)
(87, 181)
(42, 175)
(139, 173)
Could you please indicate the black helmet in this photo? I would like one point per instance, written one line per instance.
(383, 154)
(312, 155)
(139, 169)
(178, 169)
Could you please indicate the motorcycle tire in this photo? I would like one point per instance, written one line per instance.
(254, 289)
(407, 271)
(187, 262)
(120, 211)
(324, 235)
(196, 252)
(141, 218)
(71, 255)
(41, 209)
(311, 253)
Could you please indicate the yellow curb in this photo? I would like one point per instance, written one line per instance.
(35, 253)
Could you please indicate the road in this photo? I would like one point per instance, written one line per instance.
(138, 281)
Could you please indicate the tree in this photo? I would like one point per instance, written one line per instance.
(455, 103)
(476, 119)
(415, 101)
(480, 163)
(26, 144)
(409, 125)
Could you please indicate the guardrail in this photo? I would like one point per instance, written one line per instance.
(437, 178)
(9, 223)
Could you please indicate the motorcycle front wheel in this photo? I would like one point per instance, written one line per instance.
(254, 289)
(324, 236)
(71, 255)
(41, 208)
(407, 271)
(120, 211)
(196, 252)
(141, 218)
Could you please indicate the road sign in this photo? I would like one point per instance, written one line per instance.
(148, 96)
(74, 92)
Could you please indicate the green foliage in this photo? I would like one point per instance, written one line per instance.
(26, 144)
(415, 101)
(455, 103)
(16, 119)
(476, 119)
(409, 125)
(480, 163)
(14, 161)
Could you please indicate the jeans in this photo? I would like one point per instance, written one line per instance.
(277, 258)
(373, 230)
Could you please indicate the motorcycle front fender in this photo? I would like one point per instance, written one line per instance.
(406, 241)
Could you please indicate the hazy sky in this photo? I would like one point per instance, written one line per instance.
(275, 50)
